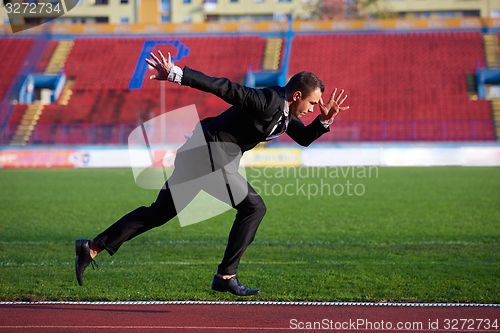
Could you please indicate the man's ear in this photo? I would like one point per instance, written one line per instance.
(297, 95)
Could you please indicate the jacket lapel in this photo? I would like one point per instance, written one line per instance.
(279, 111)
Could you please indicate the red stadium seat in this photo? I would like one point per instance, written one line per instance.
(400, 77)
(101, 83)
(401, 86)
(13, 52)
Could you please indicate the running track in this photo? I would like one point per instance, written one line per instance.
(186, 317)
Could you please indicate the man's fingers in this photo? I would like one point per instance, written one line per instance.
(152, 77)
(152, 64)
(332, 97)
(334, 103)
(162, 57)
(155, 58)
(343, 99)
(339, 96)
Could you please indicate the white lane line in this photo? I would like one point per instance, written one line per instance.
(254, 303)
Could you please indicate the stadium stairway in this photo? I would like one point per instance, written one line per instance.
(16, 55)
(27, 124)
(33, 112)
(272, 54)
(492, 55)
(495, 105)
(66, 93)
(491, 50)
(59, 57)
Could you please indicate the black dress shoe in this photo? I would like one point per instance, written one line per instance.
(233, 285)
(83, 258)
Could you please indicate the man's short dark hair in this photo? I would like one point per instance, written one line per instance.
(305, 82)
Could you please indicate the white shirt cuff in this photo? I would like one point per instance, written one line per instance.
(327, 123)
(175, 75)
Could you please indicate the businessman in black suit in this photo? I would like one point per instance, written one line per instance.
(256, 115)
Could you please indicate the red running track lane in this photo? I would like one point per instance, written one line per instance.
(244, 318)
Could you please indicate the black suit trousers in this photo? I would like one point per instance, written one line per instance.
(249, 212)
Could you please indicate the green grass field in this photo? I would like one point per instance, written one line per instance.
(414, 235)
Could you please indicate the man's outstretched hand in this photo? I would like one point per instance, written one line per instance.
(163, 66)
(332, 107)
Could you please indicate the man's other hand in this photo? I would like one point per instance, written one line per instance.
(162, 66)
(332, 107)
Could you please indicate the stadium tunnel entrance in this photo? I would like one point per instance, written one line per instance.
(43, 87)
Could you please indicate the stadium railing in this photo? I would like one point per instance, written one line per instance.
(345, 131)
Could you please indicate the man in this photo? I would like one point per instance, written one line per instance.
(256, 115)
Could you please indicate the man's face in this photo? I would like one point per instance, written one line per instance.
(304, 104)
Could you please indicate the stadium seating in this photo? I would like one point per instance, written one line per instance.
(47, 53)
(99, 63)
(401, 87)
(409, 77)
(13, 51)
(103, 67)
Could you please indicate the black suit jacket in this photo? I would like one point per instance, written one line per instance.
(253, 114)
